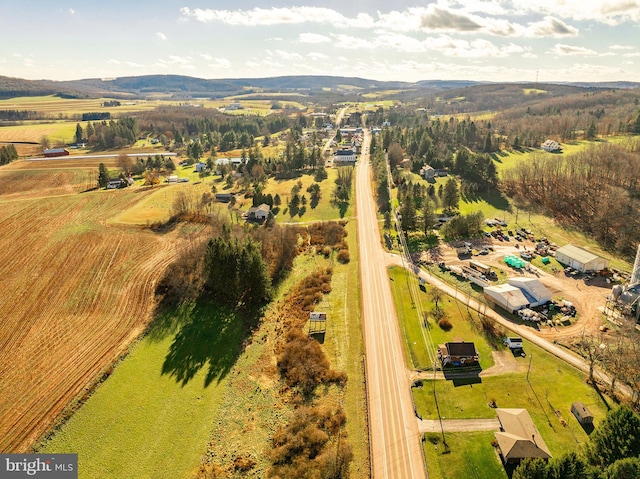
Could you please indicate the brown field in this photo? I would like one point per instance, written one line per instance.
(76, 290)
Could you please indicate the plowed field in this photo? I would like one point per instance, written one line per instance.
(75, 291)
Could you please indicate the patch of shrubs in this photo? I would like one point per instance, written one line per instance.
(445, 324)
(300, 449)
(304, 365)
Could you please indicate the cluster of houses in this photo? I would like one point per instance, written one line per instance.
(346, 154)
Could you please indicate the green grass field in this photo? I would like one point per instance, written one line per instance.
(325, 210)
(470, 456)
(152, 417)
(416, 335)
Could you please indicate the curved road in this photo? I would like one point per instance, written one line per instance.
(393, 427)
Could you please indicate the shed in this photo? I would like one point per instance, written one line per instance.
(582, 413)
(200, 167)
(533, 289)
(509, 298)
(519, 437)
(224, 197)
(53, 152)
(457, 353)
(580, 259)
(513, 342)
(427, 172)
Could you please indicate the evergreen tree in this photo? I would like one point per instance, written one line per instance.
(617, 437)
(79, 133)
(450, 196)
(103, 175)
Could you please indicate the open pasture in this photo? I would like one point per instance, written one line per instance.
(76, 293)
(53, 105)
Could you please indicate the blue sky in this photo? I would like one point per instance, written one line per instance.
(494, 40)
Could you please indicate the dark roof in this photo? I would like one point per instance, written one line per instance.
(461, 349)
(581, 409)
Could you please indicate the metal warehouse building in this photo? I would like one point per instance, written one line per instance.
(580, 259)
(534, 290)
(510, 298)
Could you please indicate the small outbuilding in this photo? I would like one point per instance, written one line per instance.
(513, 342)
(457, 353)
(53, 152)
(580, 259)
(582, 413)
(427, 172)
(519, 437)
(551, 146)
(224, 197)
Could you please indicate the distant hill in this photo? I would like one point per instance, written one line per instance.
(184, 87)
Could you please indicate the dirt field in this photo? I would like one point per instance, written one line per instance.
(75, 291)
(588, 298)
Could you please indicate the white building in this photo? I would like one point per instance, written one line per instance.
(535, 292)
(345, 156)
(509, 298)
(550, 146)
(580, 259)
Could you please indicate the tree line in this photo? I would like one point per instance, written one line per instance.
(596, 190)
(8, 154)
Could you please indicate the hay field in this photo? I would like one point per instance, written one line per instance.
(76, 291)
(53, 105)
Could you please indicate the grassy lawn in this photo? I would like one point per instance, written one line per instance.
(324, 211)
(470, 456)
(548, 395)
(417, 338)
(159, 401)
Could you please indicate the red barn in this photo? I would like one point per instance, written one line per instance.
(51, 152)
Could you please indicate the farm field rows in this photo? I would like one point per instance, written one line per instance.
(75, 294)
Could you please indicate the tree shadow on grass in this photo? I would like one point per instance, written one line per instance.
(208, 336)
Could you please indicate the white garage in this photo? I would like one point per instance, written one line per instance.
(508, 297)
(580, 259)
(534, 290)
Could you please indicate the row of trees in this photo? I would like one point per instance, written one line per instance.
(613, 452)
(108, 134)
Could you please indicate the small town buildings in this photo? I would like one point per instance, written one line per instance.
(53, 152)
(519, 437)
(457, 353)
(508, 297)
(580, 259)
(258, 213)
(582, 413)
(551, 146)
(535, 292)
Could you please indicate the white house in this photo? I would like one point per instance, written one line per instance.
(259, 213)
(427, 172)
(551, 146)
(200, 167)
(580, 259)
(345, 156)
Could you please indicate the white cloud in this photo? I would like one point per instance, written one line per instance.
(550, 27)
(161, 36)
(175, 61)
(72, 11)
(630, 55)
(316, 56)
(313, 38)
(571, 50)
(113, 61)
(352, 43)
(610, 12)
(277, 16)
(621, 47)
(288, 56)
(220, 63)
(206, 56)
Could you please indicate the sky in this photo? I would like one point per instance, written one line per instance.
(481, 40)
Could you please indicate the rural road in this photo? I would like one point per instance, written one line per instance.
(393, 427)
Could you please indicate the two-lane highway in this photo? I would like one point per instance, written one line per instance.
(394, 435)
